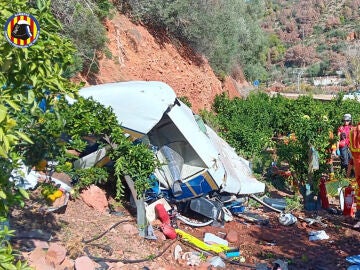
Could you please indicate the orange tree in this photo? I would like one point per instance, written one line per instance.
(29, 134)
(27, 76)
(308, 120)
(65, 130)
(251, 125)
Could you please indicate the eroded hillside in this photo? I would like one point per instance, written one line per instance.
(137, 54)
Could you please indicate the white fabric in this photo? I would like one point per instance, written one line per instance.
(318, 235)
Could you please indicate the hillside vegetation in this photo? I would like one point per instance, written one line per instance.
(265, 40)
(316, 38)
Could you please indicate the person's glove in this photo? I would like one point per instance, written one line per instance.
(337, 152)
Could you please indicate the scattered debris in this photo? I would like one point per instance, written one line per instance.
(164, 217)
(217, 262)
(195, 161)
(200, 244)
(277, 203)
(150, 209)
(24, 177)
(252, 196)
(232, 253)
(192, 258)
(317, 220)
(355, 259)
(177, 252)
(287, 219)
(254, 218)
(318, 235)
(210, 239)
(150, 234)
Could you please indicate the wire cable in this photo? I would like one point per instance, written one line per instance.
(149, 258)
(101, 235)
(109, 249)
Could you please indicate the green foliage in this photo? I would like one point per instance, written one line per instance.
(27, 76)
(318, 69)
(255, 72)
(321, 48)
(209, 117)
(251, 124)
(139, 162)
(88, 120)
(8, 260)
(225, 31)
(314, 70)
(337, 33)
(104, 8)
(89, 176)
(134, 160)
(318, 29)
(82, 23)
(9, 195)
(277, 48)
(338, 47)
(40, 65)
(185, 100)
(342, 19)
(245, 123)
(100, 120)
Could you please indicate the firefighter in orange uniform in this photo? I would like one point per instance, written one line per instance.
(355, 151)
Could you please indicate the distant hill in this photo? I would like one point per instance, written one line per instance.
(310, 36)
(196, 51)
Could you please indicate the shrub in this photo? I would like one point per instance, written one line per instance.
(250, 124)
(255, 72)
(186, 101)
(321, 47)
(82, 24)
(337, 33)
(224, 31)
(103, 9)
(314, 70)
(27, 75)
(338, 47)
(102, 126)
(84, 178)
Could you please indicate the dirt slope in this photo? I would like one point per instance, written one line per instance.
(137, 54)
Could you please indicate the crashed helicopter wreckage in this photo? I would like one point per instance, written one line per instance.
(200, 170)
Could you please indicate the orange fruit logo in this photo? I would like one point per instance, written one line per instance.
(22, 30)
